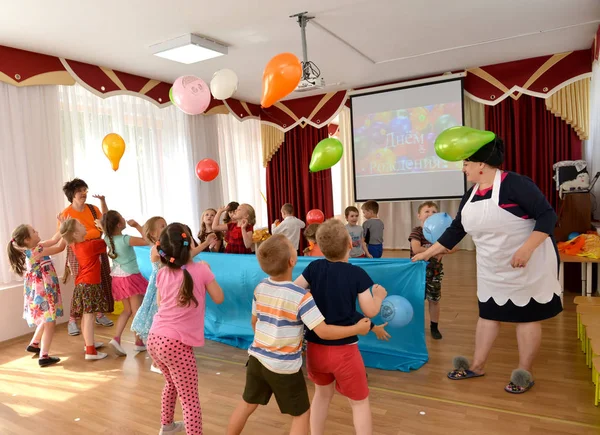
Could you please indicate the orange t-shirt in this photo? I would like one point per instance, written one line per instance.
(86, 218)
(88, 257)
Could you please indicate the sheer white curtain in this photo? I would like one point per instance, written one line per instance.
(156, 174)
(242, 174)
(592, 145)
(30, 166)
(399, 217)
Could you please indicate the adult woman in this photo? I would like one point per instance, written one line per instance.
(76, 192)
(510, 221)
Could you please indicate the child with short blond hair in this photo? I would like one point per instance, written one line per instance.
(337, 364)
(290, 226)
(280, 310)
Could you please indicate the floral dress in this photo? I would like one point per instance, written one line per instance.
(143, 319)
(42, 299)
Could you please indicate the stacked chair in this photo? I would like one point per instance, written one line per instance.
(588, 332)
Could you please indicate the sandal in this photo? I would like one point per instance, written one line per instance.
(460, 374)
(513, 388)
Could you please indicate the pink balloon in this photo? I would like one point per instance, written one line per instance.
(191, 94)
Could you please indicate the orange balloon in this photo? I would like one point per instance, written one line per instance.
(113, 146)
(281, 76)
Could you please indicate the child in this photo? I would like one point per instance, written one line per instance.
(179, 326)
(239, 229)
(229, 213)
(29, 256)
(435, 270)
(88, 296)
(142, 321)
(373, 229)
(290, 227)
(359, 247)
(128, 284)
(280, 310)
(337, 364)
(313, 249)
(210, 240)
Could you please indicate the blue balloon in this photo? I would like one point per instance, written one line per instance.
(396, 311)
(435, 225)
(573, 235)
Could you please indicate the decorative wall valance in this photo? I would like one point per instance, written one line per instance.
(318, 111)
(572, 104)
(539, 76)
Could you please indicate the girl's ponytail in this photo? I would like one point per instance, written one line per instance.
(16, 249)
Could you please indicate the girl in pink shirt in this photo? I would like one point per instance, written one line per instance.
(178, 326)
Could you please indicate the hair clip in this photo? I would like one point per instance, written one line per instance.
(172, 260)
(184, 267)
(184, 235)
(162, 253)
(186, 243)
(157, 243)
(12, 240)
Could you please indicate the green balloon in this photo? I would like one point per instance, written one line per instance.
(171, 97)
(326, 154)
(460, 143)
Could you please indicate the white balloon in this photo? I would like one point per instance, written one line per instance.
(223, 84)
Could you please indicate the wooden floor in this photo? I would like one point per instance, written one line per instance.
(122, 396)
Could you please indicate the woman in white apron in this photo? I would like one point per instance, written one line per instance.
(511, 224)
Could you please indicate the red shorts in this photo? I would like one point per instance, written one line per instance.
(342, 364)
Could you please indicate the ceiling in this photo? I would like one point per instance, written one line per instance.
(404, 39)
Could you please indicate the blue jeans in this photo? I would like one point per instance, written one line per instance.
(376, 250)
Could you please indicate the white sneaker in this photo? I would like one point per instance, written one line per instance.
(155, 369)
(178, 427)
(73, 329)
(99, 355)
(97, 345)
(141, 348)
(118, 348)
(104, 321)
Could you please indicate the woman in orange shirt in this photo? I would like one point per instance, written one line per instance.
(76, 192)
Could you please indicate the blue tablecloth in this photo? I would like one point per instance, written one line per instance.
(238, 275)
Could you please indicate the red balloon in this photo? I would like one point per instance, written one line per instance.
(315, 216)
(207, 169)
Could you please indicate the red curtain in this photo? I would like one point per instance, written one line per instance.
(534, 140)
(288, 178)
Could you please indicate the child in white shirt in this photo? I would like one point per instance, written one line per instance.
(290, 226)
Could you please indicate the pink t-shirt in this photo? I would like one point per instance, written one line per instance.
(185, 324)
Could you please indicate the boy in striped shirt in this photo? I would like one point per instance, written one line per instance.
(280, 309)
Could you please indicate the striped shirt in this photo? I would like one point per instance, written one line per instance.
(282, 309)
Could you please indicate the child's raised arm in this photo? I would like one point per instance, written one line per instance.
(247, 235)
(370, 304)
(137, 241)
(202, 246)
(217, 225)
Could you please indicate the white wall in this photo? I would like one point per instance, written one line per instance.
(12, 323)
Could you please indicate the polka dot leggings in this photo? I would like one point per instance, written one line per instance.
(177, 363)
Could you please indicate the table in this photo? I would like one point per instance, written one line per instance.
(586, 272)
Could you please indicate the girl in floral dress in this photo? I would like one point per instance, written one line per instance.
(143, 319)
(29, 256)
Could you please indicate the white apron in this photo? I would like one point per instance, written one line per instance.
(497, 235)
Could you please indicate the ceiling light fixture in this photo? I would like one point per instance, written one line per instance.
(189, 49)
